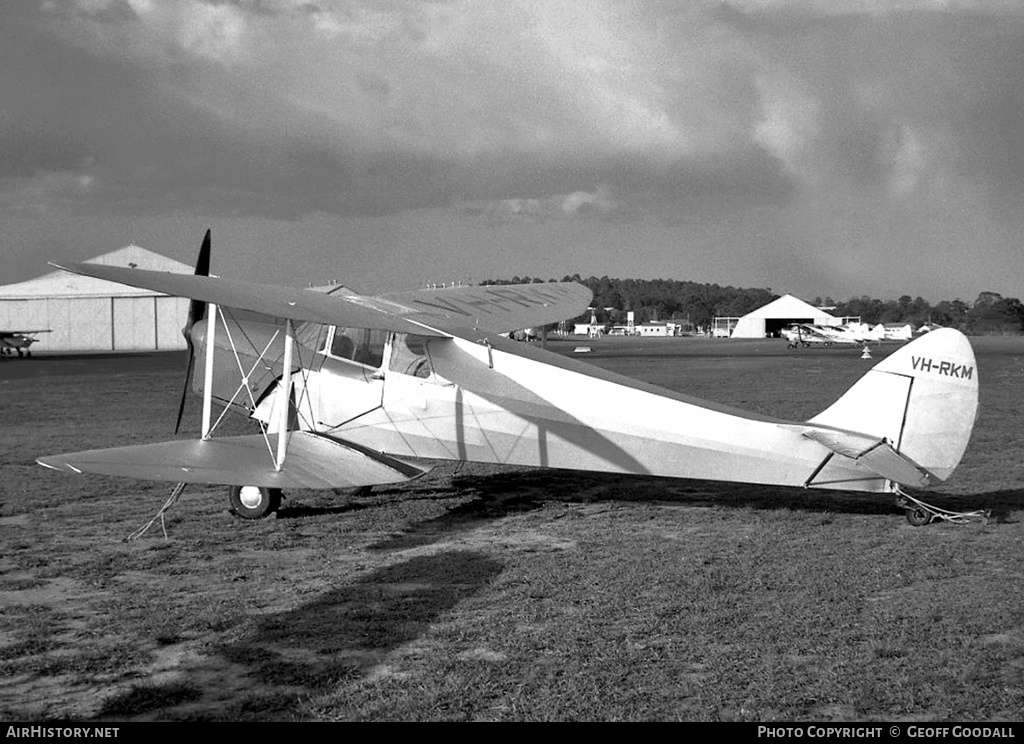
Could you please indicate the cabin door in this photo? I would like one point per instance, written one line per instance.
(351, 380)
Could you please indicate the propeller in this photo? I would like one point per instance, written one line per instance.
(196, 312)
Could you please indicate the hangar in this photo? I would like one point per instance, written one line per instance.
(87, 314)
(769, 320)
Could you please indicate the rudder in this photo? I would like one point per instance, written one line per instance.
(923, 399)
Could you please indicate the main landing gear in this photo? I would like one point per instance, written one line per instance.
(259, 502)
(254, 502)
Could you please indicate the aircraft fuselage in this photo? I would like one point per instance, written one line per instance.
(481, 402)
(16, 344)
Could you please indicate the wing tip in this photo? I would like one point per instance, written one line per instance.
(53, 463)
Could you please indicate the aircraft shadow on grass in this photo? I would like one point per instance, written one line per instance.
(504, 494)
(538, 485)
(340, 636)
(507, 493)
(346, 631)
(300, 510)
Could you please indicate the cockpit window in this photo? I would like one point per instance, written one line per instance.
(409, 356)
(360, 345)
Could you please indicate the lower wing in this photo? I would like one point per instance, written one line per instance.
(313, 461)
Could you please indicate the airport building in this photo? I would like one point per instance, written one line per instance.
(769, 320)
(87, 314)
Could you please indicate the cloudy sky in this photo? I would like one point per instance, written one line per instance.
(819, 147)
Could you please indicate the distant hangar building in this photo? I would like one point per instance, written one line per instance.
(769, 320)
(88, 314)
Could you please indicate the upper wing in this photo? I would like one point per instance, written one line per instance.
(353, 311)
(23, 333)
(424, 312)
(495, 308)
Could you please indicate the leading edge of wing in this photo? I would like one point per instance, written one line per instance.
(496, 308)
(313, 461)
(354, 311)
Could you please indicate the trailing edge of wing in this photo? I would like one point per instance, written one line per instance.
(313, 461)
(354, 311)
(496, 308)
(874, 453)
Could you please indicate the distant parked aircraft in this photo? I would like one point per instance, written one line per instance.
(805, 334)
(18, 342)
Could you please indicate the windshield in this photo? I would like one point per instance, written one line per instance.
(360, 345)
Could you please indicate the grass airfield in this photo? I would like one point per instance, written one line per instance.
(490, 593)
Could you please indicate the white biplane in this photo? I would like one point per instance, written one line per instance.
(351, 391)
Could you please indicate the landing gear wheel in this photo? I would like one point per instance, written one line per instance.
(918, 516)
(920, 513)
(254, 502)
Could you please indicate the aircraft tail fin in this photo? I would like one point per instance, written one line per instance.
(922, 400)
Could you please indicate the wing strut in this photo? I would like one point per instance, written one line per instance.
(313, 460)
(281, 417)
(208, 377)
(285, 392)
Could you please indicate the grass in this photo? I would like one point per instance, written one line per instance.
(485, 593)
(144, 698)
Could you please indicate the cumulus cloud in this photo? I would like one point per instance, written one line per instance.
(395, 104)
(861, 112)
(788, 125)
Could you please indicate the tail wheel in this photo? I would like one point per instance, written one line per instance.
(254, 502)
(918, 516)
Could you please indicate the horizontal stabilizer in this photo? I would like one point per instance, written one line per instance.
(874, 453)
(313, 461)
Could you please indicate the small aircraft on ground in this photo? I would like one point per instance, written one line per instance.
(805, 334)
(17, 343)
(853, 334)
(351, 391)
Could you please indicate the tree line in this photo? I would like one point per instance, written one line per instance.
(989, 313)
(699, 303)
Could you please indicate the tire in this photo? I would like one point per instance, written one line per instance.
(254, 502)
(918, 516)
